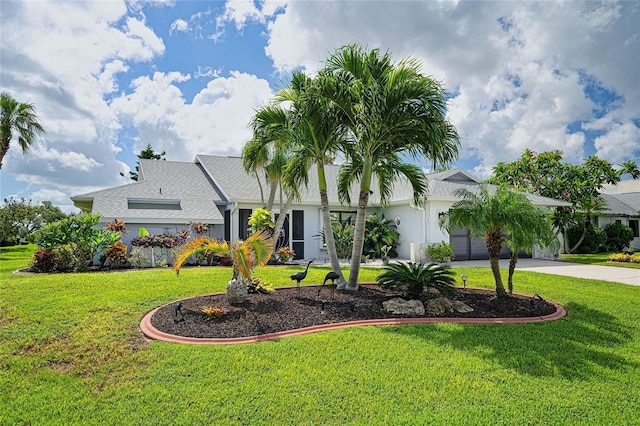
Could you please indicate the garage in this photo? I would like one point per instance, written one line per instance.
(465, 248)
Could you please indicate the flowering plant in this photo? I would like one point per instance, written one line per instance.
(164, 240)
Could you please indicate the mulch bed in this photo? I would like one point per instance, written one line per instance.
(286, 309)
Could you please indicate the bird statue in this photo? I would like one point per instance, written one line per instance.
(333, 276)
(299, 276)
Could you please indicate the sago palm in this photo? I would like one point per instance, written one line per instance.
(415, 277)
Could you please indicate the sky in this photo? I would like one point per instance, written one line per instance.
(109, 77)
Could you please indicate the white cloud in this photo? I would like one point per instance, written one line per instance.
(619, 143)
(215, 122)
(516, 68)
(64, 57)
(179, 26)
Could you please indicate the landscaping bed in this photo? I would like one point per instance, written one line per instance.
(286, 309)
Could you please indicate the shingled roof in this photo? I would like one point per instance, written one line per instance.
(164, 185)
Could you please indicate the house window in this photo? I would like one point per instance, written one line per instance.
(343, 217)
(618, 221)
(144, 204)
(633, 224)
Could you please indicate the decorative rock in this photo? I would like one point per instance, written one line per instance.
(438, 306)
(237, 292)
(400, 306)
(461, 307)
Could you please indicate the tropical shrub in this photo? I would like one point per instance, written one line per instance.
(261, 219)
(79, 231)
(379, 232)
(43, 261)
(117, 255)
(117, 225)
(257, 285)
(619, 236)
(285, 254)
(213, 311)
(624, 257)
(415, 277)
(343, 235)
(67, 258)
(440, 252)
(593, 241)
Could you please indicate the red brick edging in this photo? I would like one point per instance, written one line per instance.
(153, 333)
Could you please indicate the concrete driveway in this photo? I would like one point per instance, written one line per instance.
(605, 273)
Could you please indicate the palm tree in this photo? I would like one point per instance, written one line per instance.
(267, 151)
(317, 136)
(495, 215)
(393, 113)
(20, 118)
(533, 228)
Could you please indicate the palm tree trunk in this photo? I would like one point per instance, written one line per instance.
(329, 239)
(4, 147)
(358, 241)
(494, 245)
(272, 195)
(280, 221)
(260, 186)
(512, 267)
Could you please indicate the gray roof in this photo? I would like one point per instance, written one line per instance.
(163, 181)
(626, 204)
(214, 180)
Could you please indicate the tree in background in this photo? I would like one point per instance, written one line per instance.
(20, 218)
(19, 119)
(146, 154)
(545, 174)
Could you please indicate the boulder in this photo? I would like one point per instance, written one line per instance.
(400, 306)
(461, 307)
(438, 306)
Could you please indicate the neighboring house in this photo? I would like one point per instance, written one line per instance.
(621, 208)
(217, 191)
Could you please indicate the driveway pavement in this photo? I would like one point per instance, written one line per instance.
(606, 273)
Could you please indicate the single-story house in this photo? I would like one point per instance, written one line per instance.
(217, 191)
(621, 208)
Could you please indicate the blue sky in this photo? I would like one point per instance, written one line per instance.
(185, 76)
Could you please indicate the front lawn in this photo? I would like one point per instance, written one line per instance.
(597, 259)
(71, 353)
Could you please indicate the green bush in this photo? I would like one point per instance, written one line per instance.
(593, 241)
(138, 257)
(415, 277)
(380, 232)
(66, 258)
(440, 252)
(619, 236)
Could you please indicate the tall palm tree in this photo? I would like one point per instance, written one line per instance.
(393, 112)
(495, 215)
(267, 152)
(319, 137)
(307, 124)
(19, 118)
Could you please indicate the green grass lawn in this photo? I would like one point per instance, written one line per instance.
(71, 353)
(597, 259)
